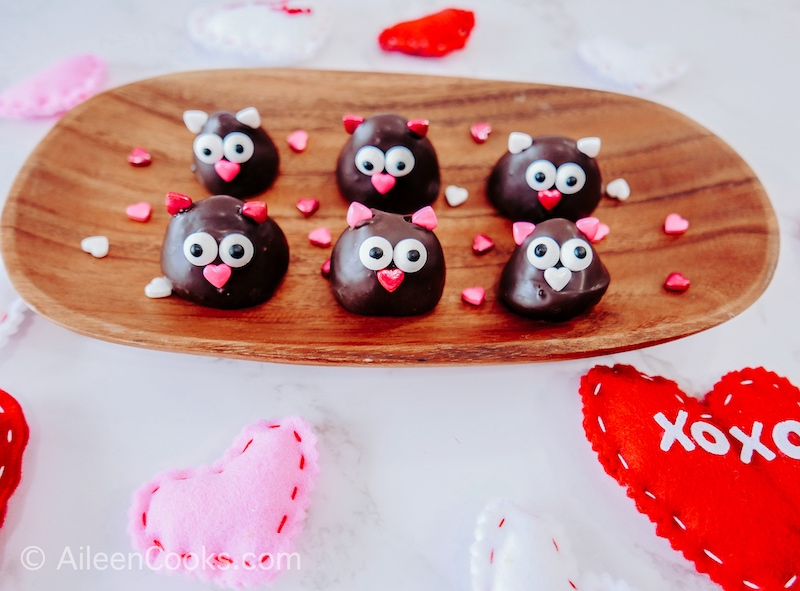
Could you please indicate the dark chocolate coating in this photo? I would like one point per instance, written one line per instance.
(411, 192)
(220, 216)
(525, 291)
(255, 176)
(510, 193)
(357, 288)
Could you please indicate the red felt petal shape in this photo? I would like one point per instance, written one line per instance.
(724, 495)
(434, 35)
(13, 439)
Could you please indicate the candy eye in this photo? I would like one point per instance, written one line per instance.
(236, 250)
(570, 178)
(370, 160)
(200, 249)
(238, 147)
(543, 253)
(576, 254)
(410, 255)
(399, 161)
(208, 147)
(540, 175)
(375, 253)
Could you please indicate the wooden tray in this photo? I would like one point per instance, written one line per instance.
(77, 183)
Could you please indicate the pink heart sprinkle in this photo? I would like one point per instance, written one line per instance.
(217, 275)
(675, 224)
(298, 140)
(383, 182)
(326, 269)
(676, 282)
(602, 232)
(521, 230)
(425, 217)
(473, 295)
(550, 198)
(320, 237)
(588, 226)
(307, 206)
(482, 243)
(480, 132)
(139, 157)
(139, 212)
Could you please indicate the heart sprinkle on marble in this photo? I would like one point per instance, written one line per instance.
(97, 246)
(480, 132)
(307, 206)
(140, 157)
(455, 195)
(139, 212)
(159, 287)
(674, 224)
(320, 237)
(618, 189)
(676, 282)
(482, 244)
(298, 140)
(473, 295)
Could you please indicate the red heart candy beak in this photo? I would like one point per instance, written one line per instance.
(227, 170)
(383, 182)
(550, 198)
(217, 275)
(390, 279)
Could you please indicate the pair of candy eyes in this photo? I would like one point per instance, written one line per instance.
(568, 178)
(201, 249)
(575, 254)
(236, 147)
(377, 253)
(397, 161)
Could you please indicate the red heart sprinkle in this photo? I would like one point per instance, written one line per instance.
(482, 243)
(676, 282)
(326, 268)
(307, 206)
(480, 132)
(433, 35)
(390, 279)
(139, 157)
(718, 475)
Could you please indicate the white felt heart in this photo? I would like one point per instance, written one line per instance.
(97, 246)
(557, 278)
(455, 195)
(159, 287)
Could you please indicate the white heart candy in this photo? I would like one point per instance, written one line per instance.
(455, 195)
(159, 287)
(97, 246)
(618, 189)
(557, 278)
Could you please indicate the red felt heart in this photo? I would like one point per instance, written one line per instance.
(433, 35)
(720, 477)
(13, 439)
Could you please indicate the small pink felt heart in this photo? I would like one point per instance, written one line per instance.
(139, 212)
(320, 237)
(482, 243)
(217, 275)
(675, 224)
(473, 295)
(230, 522)
(55, 90)
(676, 282)
(298, 140)
(480, 132)
(307, 206)
(140, 157)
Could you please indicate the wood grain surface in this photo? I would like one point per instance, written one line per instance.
(77, 183)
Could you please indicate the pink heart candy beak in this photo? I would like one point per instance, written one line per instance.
(390, 279)
(227, 170)
(383, 182)
(217, 275)
(550, 198)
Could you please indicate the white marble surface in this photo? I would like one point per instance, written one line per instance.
(410, 456)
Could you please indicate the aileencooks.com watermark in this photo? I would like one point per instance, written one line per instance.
(85, 558)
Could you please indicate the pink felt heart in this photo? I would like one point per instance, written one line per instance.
(480, 132)
(718, 475)
(217, 275)
(675, 224)
(55, 90)
(233, 523)
(320, 237)
(139, 212)
(473, 295)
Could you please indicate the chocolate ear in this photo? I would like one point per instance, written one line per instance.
(521, 230)
(255, 210)
(195, 120)
(351, 122)
(358, 213)
(177, 202)
(418, 127)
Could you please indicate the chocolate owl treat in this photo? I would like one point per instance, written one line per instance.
(387, 264)
(546, 177)
(221, 252)
(233, 155)
(554, 273)
(388, 163)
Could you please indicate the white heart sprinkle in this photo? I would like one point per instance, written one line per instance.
(618, 189)
(557, 278)
(159, 287)
(97, 246)
(455, 195)
(518, 141)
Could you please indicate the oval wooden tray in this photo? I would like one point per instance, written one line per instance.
(77, 183)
